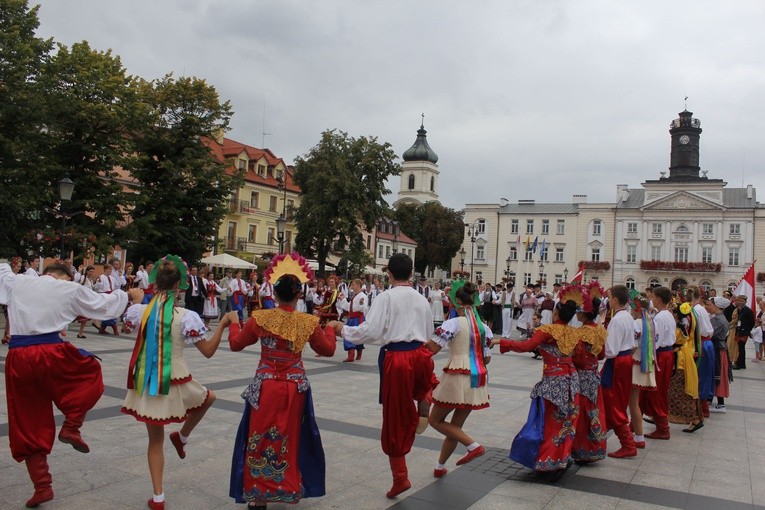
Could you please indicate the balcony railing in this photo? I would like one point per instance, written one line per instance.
(240, 206)
(691, 267)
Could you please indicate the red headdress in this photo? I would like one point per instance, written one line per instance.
(290, 263)
(574, 293)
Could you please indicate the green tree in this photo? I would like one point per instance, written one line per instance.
(438, 230)
(182, 187)
(342, 180)
(22, 182)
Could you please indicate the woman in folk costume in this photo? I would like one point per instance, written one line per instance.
(238, 290)
(325, 304)
(544, 443)
(212, 289)
(463, 385)
(590, 439)
(684, 406)
(160, 387)
(643, 364)
(356, 308)
(437, 303)
(278, 456)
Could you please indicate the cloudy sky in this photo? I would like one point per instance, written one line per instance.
(523, 99)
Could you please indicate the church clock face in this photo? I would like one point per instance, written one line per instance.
(684, 140)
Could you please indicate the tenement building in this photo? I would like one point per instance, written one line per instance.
(683, 228)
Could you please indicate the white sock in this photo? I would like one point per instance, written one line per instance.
(184, 439)
(638, 439)
(440, 466)
(159, 498)
(472, 446)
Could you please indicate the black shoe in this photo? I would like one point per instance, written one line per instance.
(694, 428)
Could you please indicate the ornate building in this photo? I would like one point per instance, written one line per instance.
(680, 229)
(419, 172)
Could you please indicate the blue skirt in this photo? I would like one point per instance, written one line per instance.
(707, 371)
(525, 448)
(348, 346)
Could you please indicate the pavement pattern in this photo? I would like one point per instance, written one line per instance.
(721, 466)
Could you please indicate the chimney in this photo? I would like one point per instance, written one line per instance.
(579, 199)
(749, 192)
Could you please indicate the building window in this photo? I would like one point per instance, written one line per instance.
(529, 255)
(543, 255)
(387, 252)
(514, 226)
(596, 227)
(478, 276)
(379, 251)
(655, 252)
(656, 228)
(632, 227)
(708, 229)
(272, 203)
(271, 236)
(526, 279)
(561, 228)
(479, 253)
(732, 286)
(432, 184)
(411, 182)
(683, 229)
(706, 255)
(735, 229)
(529, 226)
(480, 227)
(513, 253)
(545, 227)
(242, 164)
(542, 277)
(595, 255)
(261, 170)
(558, 278)
(631, 254)
(681, 254)
(733, 257)
(252, 233)
(654, 282)
(369, 242)
(254, 199)
(706, 286)
(559, 255)
(630, 283)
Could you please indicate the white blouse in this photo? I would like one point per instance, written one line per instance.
(446, 332)
(193, 328)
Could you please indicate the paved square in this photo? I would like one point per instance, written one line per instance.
(720, 466)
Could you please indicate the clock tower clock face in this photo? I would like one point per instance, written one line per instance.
(684, 140)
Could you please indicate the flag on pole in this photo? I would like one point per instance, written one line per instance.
(527, 244)
(745, 287)
(534, 247)
(542, 248)
(579, 274)
(518, 242)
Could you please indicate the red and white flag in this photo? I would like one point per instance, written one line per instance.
(745, 287)
(579, 274)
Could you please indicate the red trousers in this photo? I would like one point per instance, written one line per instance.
(38, 376)
(656, 403)
(407, 376)
(616, 399)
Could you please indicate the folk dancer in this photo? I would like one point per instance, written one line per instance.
(160, 388)
(655, 404)
(554, 407)
(266, 293)
(616, 376)
(684, 406)
(707, 356)
(463, 386)
(643, 364)
(528, 307)
(41, 369)
(741, 324)
(356, 308)
(16, 265)
(401, 320)
(212, 289)
(325, 304)
(107, 283)
(723, 374)
(238, 289)
(278, 455)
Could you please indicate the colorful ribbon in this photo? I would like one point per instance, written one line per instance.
(151, 362)
(647, 344)
(478, 373)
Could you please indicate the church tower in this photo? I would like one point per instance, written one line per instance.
(419, 172)
(685, 132)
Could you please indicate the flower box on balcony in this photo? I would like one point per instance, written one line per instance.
(592, 265)
(691, 267)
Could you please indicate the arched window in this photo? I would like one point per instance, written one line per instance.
(432, 183)
(630, 283)
(411, 181)
(683, 229)
(706, 286)
(654, 282)
(732, 286)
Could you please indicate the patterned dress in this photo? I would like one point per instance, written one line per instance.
(684, 385)
(555, 397)
(590, 440)
(278, 456)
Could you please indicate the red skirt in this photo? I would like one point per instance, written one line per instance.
(590, 441)
(559, 432)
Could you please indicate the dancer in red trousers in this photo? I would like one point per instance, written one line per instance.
(401, 319)
(42, 369)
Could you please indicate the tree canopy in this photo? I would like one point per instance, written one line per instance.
(342, 180)
(438, 230)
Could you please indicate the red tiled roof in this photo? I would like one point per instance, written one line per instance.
(402, 238)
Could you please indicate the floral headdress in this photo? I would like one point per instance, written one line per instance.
(179, 264)
(290, 263)
(576, 293)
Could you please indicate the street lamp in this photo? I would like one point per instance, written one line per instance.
(65, 191)
(462, 253)
(565, 275)
(541, 270)
(507, 271)
(281, 224)
(396, 230)
(472, 234)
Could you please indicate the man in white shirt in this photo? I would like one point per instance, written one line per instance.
(238, 290)
(34, 266)
(107, 285)
(507, 299)
(266, 293)
(42, 370)
(616, 378)
(223, 301)
(401, 319)
(656, 403)
(707, 354)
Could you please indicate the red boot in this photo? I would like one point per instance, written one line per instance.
(628, 449)
(358, 354)
(662, 429)
(156, 506)
(349, 358)
(37, 466)
(72, 436)
(401, 481)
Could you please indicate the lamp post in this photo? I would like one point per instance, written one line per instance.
(472, 235)
(65, 191)
(281, 221)
(281, 224)
(507, 270)
(565, 275)
(396, 230)
(462, 253)
(541, 270)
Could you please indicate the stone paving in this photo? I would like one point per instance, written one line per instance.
(720, 466)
